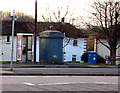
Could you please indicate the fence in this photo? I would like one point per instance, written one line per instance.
(109, 59)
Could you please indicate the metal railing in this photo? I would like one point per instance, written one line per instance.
(109, 59)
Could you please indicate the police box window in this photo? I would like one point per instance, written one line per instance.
(75, 42)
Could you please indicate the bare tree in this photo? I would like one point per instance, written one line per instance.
(107, 17)
(79, 22)
(5, 16)
(24, 17)
(56, 16)
(61, 16)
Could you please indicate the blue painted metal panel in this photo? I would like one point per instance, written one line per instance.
(51, 43)
(92, 57)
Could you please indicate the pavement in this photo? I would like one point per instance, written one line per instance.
(53, 70)
(58, 66)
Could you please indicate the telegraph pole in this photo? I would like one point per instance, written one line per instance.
(13, 18)
(35, 33)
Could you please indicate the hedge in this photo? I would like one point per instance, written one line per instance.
(99, 58)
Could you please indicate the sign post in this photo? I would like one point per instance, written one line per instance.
(13, 18)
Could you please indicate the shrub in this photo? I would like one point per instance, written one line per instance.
(99, 58)
(85, 57)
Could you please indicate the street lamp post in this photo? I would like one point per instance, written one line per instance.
(13, 18)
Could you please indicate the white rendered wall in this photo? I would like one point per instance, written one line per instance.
(37, 49)
(118, 50)
(0, 40)
(71, 50)
(101, 49)
(0, 48)
(118, 54)
(6, 48)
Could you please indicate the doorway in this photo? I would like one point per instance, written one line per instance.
(24, 48)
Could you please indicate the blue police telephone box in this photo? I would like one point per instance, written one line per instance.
(92, 57)
(51, 47)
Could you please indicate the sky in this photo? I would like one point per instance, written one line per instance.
(77, 7)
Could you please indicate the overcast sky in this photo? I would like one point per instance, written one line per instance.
(78, 7)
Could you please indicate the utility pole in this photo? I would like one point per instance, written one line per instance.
(35, 33)
(13, 18)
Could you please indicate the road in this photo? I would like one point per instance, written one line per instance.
(60, 83)
(63, 70)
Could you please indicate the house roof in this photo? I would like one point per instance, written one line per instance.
(28, 27)
(20, 27)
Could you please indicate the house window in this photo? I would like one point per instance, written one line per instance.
(73, 58)
(8, 39)
(75, 42)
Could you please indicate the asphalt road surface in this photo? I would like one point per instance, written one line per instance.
(64, 70)
(59, 83)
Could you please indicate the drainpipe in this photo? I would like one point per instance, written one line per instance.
(95, 45)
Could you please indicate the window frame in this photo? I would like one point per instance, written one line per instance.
(75, 42)
(8, 40)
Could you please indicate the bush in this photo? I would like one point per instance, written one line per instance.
(99, 58)
(85, 57)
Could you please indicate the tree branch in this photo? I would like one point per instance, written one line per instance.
(66, 43)
(55, 16)
(67, 10)
(118, 46)
(103, 43)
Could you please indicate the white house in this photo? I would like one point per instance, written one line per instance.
(0, 40)
(101, 49)
(73, 47)
(6, 42)
(104, 51)
(5, 46)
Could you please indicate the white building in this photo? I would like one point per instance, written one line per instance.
(0, 40)
(104, 51)
(73, 49)
(5, 46)
(6, 42)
